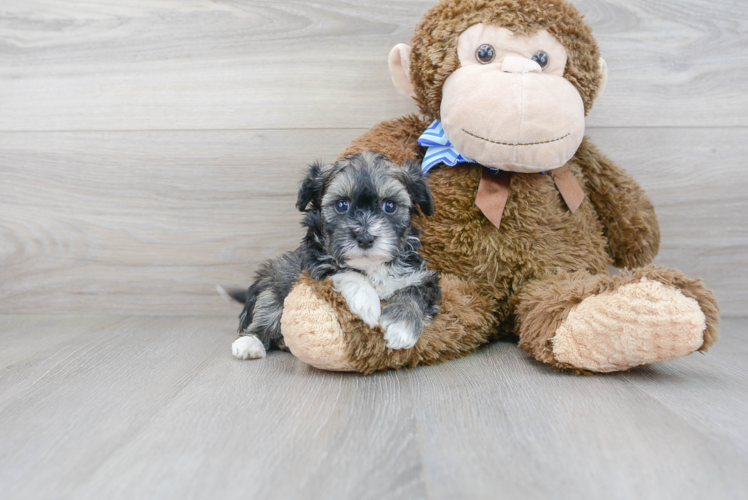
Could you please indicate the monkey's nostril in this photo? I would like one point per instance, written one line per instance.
(365, 241)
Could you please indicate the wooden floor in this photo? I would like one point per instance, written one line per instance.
(136, 407)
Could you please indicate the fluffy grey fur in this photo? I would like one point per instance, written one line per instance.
(357, 219)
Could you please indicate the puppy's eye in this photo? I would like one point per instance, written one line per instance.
(389, 207)
(541, 58)
(342, 206)
(485, 54)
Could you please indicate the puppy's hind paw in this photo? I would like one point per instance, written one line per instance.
(248, 347)
(400, 334)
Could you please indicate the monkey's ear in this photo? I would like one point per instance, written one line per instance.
(311, 187)
(603, 78)
(419, 191)
(399, 62)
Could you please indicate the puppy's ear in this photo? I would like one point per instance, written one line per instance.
(311, 187)
(419, 191)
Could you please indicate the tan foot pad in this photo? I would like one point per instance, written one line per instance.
(636, 324)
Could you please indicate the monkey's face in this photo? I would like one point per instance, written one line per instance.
(508, 105)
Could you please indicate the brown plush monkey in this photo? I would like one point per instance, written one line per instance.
(523, 235)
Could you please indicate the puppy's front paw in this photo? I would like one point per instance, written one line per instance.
(400, 334)
(366, 306)
(360, 296)
(248, 347)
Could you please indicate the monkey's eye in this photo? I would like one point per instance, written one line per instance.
(541, 58)
(389, 207)
(342, 206)
(485, 54)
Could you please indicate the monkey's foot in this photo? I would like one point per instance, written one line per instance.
(600, 323)
(637, 324)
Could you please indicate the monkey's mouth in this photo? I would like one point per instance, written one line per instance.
(516, 144)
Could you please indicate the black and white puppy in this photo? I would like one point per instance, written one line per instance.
(358, 226)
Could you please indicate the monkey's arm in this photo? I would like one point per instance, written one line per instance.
(396, 139)
(627, 214)
(321, 331)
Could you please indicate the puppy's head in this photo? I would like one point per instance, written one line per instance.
(364, 203)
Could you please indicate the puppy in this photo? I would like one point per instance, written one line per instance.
(358, 227)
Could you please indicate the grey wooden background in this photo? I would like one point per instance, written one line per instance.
(150, 149)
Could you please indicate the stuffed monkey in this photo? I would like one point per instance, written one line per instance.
(529, 214)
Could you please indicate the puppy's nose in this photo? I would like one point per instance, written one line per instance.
(365, 241)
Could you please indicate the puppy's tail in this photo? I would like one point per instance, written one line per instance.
(247, 297)
(237, 294)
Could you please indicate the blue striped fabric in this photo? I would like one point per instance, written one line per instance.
(440, 150)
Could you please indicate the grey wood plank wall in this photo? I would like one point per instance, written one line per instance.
(150, 149)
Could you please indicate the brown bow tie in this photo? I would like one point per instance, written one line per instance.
(493, 191)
